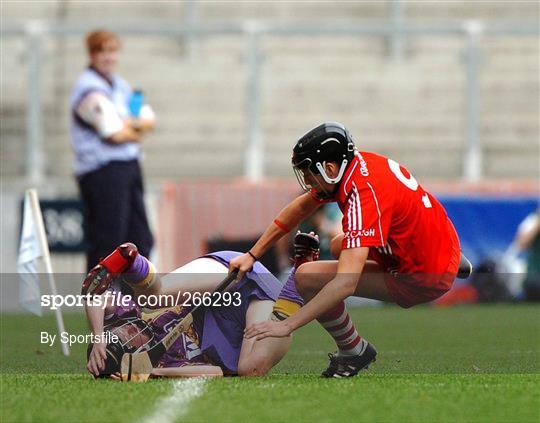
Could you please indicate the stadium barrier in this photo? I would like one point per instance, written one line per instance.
(191, 213)
(485, 214)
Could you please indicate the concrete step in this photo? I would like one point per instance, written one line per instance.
(293, 11)
(512, 164)
(110, 11)
(489, 10)
(298, 12)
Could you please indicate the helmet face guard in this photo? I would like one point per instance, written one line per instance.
(134, 335)
(307, 179)
(329, 142)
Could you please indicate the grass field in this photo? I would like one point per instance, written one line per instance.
(476, 363)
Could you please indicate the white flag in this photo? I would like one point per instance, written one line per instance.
(29, 252)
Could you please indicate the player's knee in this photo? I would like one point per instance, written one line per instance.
(303, 279)
(307, 278)
(256, 367)
(252, 372)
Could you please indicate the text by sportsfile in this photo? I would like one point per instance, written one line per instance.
(71, 339)
(112, 298)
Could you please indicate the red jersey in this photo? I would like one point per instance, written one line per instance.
(385, 208)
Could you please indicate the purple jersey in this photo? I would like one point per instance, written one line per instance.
(217, 332)
(223, 327)
(185, 349)
(260, 275)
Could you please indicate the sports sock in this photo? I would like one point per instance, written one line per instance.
(141, 273)
(340, 326)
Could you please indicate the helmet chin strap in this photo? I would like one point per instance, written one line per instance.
(327, 179)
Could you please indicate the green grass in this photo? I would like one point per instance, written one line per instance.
(476, 363)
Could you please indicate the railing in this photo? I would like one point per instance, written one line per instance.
(396, 31)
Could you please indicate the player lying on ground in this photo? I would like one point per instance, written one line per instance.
(214, 344)
(398, 244)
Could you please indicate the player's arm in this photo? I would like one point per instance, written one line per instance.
(95, 315)
(291, 215)
(344, 284)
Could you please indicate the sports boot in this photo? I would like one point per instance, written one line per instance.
(103, 274)
(347, 366)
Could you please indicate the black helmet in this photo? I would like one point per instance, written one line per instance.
(328, 142)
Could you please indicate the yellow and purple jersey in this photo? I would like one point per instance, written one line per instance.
(217, 332)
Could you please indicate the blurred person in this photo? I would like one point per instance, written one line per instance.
(487, 284)
(528, 240)
(214, 343)
(398, 244)
(505, 277)
(105, 138)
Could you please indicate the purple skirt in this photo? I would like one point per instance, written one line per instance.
(222, 328)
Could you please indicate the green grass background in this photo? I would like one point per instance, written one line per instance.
(474, 363)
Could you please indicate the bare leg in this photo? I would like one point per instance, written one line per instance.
(258, 357)
(311, 277)
(263, 355)
(199, 275)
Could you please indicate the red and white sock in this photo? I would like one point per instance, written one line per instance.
(340, 326)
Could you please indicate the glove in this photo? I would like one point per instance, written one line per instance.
(306, 248)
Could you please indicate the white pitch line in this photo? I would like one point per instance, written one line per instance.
(175, 405)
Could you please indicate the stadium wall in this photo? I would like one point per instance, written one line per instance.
(412, 109)
(187, 214)
(486, 215)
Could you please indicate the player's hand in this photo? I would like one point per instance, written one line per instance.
(96, 361)
(243, 263)
(268, 329)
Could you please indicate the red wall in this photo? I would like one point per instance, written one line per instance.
(191, 212)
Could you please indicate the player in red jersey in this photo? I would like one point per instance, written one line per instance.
(398, 244)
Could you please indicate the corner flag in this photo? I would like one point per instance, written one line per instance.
(34, 246)
(29, 252)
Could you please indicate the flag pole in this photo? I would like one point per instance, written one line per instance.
(42, 237)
